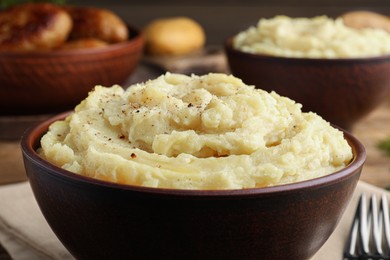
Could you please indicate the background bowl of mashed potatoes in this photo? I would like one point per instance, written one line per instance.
(106, 195)
(51, 56)
(339, 72)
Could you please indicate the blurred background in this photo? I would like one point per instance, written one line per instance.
(222, 18)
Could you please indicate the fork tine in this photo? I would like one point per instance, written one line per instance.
(364, 225)
(377, 226)
(352, 245)
(384, 207)
(350, 250)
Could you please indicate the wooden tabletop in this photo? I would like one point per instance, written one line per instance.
(370, 131)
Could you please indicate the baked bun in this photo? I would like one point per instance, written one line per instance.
(102, 24)
(366, 19)
(173, 36)
(33, 26)
(85, 43)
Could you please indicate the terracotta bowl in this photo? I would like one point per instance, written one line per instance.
(101, 220)
(53, 81)
(342, 91)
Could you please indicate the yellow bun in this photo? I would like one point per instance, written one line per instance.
(366, 19)
(173, 36)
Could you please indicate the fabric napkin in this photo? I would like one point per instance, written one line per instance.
(25, 234)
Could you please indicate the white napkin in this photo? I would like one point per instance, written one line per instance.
(25, 234)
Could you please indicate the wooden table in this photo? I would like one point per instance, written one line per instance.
(370, 131)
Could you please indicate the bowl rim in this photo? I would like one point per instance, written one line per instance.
(136, 37)
(228, 46)
(31, 138)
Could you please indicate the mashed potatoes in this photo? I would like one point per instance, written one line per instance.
(198, 132)
(318, 37)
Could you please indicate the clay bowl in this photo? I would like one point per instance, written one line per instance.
(101, 220)
(53, 81)
(342, 91)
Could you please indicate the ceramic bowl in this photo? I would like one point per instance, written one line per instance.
(342, 91)
(100, 220)
(53, 81)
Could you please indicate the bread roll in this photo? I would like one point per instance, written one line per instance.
(33, 26)
(173, 36)
(366, 19)
(102, 24)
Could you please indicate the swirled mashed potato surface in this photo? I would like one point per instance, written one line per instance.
(317, 37)
(194, 132)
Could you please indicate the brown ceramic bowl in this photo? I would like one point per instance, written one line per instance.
(342, 91)
(52, 81)
(101, 220)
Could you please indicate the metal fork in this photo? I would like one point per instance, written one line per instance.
(369, 237)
